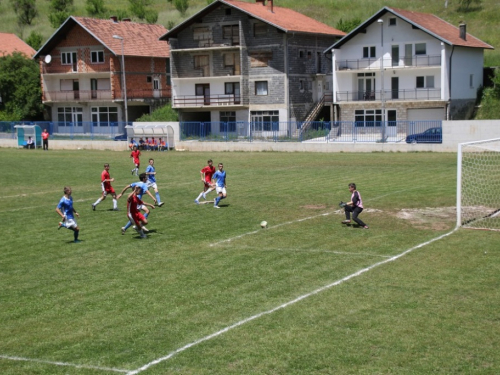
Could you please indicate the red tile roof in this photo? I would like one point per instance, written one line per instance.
(440, 28)
(284, 18)
(139, 39)
(10, 43)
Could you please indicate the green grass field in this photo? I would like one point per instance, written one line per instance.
(209, 292)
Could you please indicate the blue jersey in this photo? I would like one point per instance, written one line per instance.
(66, 207)
(143, 185)
(151, 177)
(220, 178)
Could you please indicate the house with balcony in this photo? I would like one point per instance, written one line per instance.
(236, 63)
(97, 75)
(402, 65)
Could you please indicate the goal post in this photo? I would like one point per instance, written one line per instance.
(478, 185)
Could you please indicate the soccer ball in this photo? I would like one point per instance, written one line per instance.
(263, 224)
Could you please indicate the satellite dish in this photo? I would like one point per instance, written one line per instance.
(48, 59)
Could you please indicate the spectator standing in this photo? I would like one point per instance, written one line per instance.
(45, 139)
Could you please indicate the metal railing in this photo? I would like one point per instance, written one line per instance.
(99, 95)
(314, 132)
(399, 62)
(376, 95)
(206, 100)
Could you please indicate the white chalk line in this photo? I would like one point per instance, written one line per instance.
(322, 251)
(64, 364)
(298, 299)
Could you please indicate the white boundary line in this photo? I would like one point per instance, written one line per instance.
(64, 364)
(298, 299)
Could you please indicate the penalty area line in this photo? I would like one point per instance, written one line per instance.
(64, 364)
(289, 303)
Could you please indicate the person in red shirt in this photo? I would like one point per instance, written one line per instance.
(135, 154)
(206, 177)
(45, 139)
(133, 212)
(106, 181)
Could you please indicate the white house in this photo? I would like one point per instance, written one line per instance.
(404, 65)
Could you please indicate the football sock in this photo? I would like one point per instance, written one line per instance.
(75, 234)
(146, 215)
(128, 225)
(199, 196)
(98, 201)
(158, 197)
(217, 200)
(115, 203)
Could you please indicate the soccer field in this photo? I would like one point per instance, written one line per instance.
(210, 292)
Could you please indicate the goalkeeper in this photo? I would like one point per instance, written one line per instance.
(355, 206)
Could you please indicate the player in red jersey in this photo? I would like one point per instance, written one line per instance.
(206, 177)
(106, 181)
(135, 154)
(133, 212)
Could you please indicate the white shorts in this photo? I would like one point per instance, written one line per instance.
(70, 223)
(152, 185)
(220, 189)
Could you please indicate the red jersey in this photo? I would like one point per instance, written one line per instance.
(45, 135)
(105, 176)
(209, 171)
(133, 212)
(135, 154)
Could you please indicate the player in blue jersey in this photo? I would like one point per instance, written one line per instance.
(219, 178)
(144, 189)
(66, 210)
(151, 173)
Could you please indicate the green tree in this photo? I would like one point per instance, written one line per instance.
(151, 16)
(139, 7)
(348, 25)
(25, 10)
(20, 88)
(59, 11)
(165, 113)
(95, 7)
(181, 6)
(35, 40)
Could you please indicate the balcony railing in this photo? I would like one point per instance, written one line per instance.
(397, 62)
(408, 94)
(100, 95)
(206, 100)
(85, 68)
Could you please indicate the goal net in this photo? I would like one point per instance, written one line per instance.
(478, 185)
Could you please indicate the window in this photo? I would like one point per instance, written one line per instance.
(202, 62)
(260, 59)
(167, 70)
(228, 11)
(231, 32)
(156, 84)
(420, 49)
(368, 117)
(261, 88)
(392, 21)
(425, 82)
(259, 29)
(228, 122)
(301, 54)
(265, 120)
(68, 116)
(233, 88)
(301, 84)
(309, 55)
(69, 58)
(104, 116)
(149, 79)
(232, 60)
(97, 57)
(203, 35)
(369, 52)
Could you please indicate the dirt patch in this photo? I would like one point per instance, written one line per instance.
(429, 218)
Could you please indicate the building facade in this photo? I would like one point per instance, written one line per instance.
(402, 65)
(239, 62)
(82, 73)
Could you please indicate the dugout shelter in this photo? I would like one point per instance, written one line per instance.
(158, 130)
(25, 131)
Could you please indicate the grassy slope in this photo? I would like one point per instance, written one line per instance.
(483, 22)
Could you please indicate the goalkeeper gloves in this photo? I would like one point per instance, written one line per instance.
(342, 204)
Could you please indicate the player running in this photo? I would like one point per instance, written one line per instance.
(135, 155)
(219, 178)
(151, 173)
(133, 211)
(206, 177)
(106, 181)
(144, 189)
(66, 210)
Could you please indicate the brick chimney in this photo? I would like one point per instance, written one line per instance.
(126, 20)
(463, 31)
(114, 19)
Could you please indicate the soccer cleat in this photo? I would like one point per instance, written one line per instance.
(346, 221)
(160, 204)
(366, 227)
(77, 241)
(196, 201)
(215, 206)
(93, 207)
(60, 225)
(123, 230)
(133, 172)
(116, 209)
(143, 235)
(145, 229)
